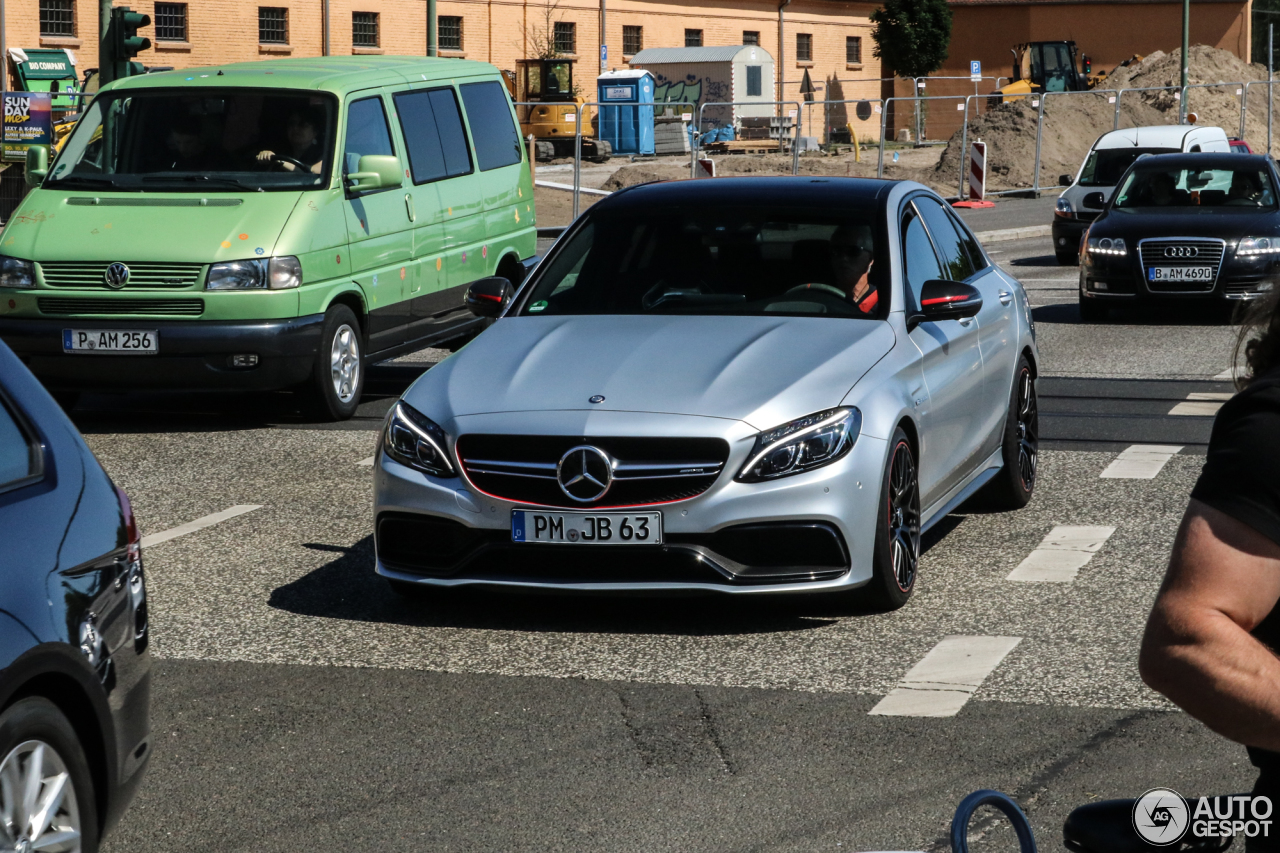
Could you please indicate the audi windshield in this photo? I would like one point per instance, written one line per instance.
(1241, 189)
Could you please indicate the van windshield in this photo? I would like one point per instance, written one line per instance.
(207, 141)
(1105, 165)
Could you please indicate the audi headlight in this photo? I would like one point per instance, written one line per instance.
(413, 439)
(258, 274)
(802, 445)
(1064, 209)
(1252, 247)
(1107, 246)
(15, 272)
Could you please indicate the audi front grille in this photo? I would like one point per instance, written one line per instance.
(1181, 252)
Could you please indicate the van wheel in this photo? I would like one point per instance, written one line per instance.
(338, 379)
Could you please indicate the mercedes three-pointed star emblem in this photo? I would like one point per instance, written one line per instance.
(585, 473)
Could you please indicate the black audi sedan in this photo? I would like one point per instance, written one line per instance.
(75, 672)
(1183, 227)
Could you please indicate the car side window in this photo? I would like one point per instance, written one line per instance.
(955, 258)
(919, 261)
(976, 257)
(494, 133)
(367, 132)
(433, 133)
(19, 456)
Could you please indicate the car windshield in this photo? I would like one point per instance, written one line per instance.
(705, 262)
(211, 141)
(1248, 188)
(1105, 166)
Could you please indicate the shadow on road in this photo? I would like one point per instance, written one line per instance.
(1191, 314)
(1038, 261)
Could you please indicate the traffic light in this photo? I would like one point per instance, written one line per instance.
(123, 42)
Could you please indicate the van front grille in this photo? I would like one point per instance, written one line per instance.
(60, 306)
(92, 274)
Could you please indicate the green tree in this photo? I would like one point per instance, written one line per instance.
(911, 36)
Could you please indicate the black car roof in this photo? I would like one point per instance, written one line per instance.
(815, 192)
(1202, 160)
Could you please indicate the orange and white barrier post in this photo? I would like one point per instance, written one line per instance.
(977, 177)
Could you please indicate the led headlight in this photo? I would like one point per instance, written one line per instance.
(802, 445)
(1064, 209)
(1252, 247)
(1107, 246)
(413, 439)
(274, 273)
(15, 272)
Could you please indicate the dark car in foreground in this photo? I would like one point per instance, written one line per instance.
(75, 673)
(1184, 227)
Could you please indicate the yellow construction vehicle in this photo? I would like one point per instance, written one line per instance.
(1046, 66)
(549, 82)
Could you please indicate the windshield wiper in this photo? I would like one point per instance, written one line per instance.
(207, 179)
(86, 179)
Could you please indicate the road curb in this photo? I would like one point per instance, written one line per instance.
(1014, 233)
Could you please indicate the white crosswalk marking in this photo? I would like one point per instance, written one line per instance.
(945, 679)
(1140, 462)
(1063, 552)
(1202, 403)
(366, 462)
(198, 524)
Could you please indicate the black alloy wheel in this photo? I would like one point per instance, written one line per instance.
(1013, 485)
(897, 547)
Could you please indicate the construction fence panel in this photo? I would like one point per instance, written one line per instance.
(787, 111)
(1128, 103)
(842, 122)
(1093, 108)
(895, 112)
(1217, 104)
(1259, 114)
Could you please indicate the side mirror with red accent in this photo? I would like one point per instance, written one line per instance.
(489, 297)
(947, 300)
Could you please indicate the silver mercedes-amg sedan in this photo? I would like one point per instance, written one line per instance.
(758, 385)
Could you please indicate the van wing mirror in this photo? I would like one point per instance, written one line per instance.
(1093, 201)
(489, 297)
(376, 172)
(1065, 180)
(37, 164)
(948, 300)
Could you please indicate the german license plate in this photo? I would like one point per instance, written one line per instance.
(1180, 273)
(586, 528)
(110, 341)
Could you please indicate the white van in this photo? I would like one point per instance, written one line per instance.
(1107, 160)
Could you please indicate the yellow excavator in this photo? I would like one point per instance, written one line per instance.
(1047, 66)
(549, 82)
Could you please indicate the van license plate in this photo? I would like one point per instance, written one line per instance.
(586, 528)
(111, 341)
(1180, 274)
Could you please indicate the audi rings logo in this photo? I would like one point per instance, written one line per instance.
(116, 276)
(1181, 251)
(1160, 816)
(585, 473)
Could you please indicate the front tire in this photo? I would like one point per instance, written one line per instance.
(338, 377)
(38, 746)
(897, 545)
(1013, 486)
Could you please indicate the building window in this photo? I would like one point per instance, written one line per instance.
(171, 21)
(751, 37)
(449, 32)
(804, 47)
(693, 38)
(632, 40)
(273, 25)
(853, 49)
(364, 29)
(566, 37)
(753, 81)
(57, 17)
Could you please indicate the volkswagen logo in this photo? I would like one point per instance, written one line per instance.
(585, 473)
(116, 276)
(1181, 251)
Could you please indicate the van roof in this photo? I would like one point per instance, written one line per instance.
(336, 74)
(1155, 136)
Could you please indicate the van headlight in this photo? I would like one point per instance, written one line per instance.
(802, 445)
(257, 274)
(1107, 246)
(413, 439)
(1063, 209)
(15, 272)
(1252, 247)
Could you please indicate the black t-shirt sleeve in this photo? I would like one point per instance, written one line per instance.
(1241, 475)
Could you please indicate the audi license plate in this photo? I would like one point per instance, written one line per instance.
(110, 341)
(586, 528)
(1180, 273)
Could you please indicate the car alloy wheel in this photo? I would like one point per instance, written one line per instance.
(344, 363)
(1028, 429)
(38, 808)
(904, 517)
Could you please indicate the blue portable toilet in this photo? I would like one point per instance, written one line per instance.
(629, 128)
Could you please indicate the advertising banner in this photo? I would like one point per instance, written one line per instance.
(28, 120)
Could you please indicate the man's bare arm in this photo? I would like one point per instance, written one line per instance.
(1223, 579)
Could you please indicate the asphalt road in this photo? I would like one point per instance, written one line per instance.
(300, 705)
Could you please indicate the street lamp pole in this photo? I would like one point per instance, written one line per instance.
(433, 45)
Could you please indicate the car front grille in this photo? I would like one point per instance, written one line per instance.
(141, 275)
(1181, 253)
(522, 468)
(62, 306)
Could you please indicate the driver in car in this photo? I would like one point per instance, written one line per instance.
(303, 135)
(851, 253)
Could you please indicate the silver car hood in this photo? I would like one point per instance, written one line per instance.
(761, 370)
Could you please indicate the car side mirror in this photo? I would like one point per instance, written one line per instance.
(947, 300)
(1065, 180)
(37, 164)
(376, 172)
(489, 297)
(1093, 201)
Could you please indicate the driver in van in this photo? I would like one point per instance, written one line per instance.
(303, 134)
(187, 144)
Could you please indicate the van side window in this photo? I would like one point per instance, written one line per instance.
(367, 132)
(494, 133)
(432, 127)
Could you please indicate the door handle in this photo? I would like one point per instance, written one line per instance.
(966, 321)
(1005, 297)
(408, 204)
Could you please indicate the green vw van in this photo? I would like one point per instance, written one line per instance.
(266, 225)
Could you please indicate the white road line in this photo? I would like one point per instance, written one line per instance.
(945, 679)
(1140, 462)
(366, 462)
(1202, 403)
(198, 524)
(1073, 278)
(1229, 374)
(1062, 553)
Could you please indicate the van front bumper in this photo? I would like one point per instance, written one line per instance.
(192, 355)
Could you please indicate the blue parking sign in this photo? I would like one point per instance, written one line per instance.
(975, 68)
(604, 55)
